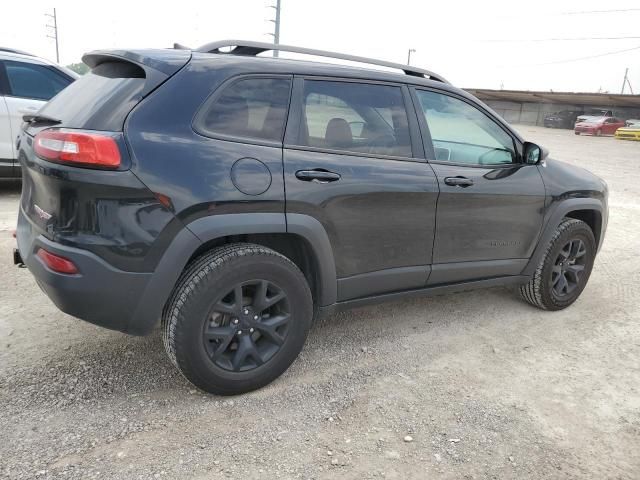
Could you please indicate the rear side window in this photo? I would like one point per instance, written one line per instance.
(355, 117)
(101, 99)
(254, 108)
(39, 82)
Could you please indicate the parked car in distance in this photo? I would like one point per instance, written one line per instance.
(599, 126)
(630, 132)
(562, 119)
(632, 122)
(595, 113)
(244, 197)
(26, 84)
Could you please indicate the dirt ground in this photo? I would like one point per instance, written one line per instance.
(485, 385)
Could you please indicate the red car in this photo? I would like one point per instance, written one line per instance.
(598, 126)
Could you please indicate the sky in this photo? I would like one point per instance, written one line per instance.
(474, 44)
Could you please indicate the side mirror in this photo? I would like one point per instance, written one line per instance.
(534, 154)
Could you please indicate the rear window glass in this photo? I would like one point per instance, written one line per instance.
(101, 99)
(249, 108)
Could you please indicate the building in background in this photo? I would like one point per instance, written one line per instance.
(530, 108)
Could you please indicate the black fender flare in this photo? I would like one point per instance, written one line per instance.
(205, 229)
(553, 219)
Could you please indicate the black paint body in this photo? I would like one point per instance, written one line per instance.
(387, 227)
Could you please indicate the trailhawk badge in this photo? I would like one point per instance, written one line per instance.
(41, 213)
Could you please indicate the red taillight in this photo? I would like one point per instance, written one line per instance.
(74, 146)
(57, 263)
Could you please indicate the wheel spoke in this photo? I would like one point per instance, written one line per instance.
(218, 333)
(556, 279)
(269, 326)
(574, 271)
(562, 285)
(224, 344)
(262, 301)
(246, 349)
(223, 307)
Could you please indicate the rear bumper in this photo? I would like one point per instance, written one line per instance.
(98, 293)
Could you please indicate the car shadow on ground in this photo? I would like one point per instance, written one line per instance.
(112, 365)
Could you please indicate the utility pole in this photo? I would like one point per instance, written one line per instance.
(625, 81)
(411, 50)
(276, 33)
(55, 32)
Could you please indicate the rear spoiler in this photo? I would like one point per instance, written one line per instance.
(157, 65)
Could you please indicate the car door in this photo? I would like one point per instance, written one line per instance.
(29, 87)
(611, 125)
(353, 162)
(491, 205)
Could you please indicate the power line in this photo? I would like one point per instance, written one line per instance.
(589, 57)
(521, 40)
(587, 12)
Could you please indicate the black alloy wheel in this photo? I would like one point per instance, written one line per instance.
(569, 265)
(247, 325)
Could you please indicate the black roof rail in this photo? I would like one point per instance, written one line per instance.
(13, 50)
(243, 47)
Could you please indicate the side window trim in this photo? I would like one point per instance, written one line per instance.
(296, 111)
(211, 99)
(4, 80)
(426, 134)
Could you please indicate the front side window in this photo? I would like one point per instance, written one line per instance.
(463, 134)
(249, 108)
(363, 118)
(34, 81)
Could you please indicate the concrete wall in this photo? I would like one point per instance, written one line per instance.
(533, 113)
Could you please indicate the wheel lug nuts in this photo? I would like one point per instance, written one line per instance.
(251, 330)
(239, 332)
(256, 317)
(246, 311)
(235, 321)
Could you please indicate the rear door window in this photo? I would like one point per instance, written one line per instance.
(252, 108)
(27, 80)
(356, 117)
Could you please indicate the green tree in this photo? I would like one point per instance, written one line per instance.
(79, 68)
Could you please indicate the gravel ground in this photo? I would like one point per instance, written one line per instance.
(471, 385)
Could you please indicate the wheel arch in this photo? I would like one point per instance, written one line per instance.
(589, 210)
(300, 238)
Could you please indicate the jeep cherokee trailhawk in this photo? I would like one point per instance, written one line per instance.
(236, 197)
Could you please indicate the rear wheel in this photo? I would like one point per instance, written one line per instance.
(237, 319)
(565, 267)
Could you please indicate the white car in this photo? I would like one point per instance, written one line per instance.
(26, 84)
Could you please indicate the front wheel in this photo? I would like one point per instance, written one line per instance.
(564, 269)
(237, 319)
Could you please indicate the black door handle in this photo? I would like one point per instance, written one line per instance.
(317, 175)
(458, 181)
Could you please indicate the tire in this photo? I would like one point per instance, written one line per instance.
(577, 133)
(228, 347)
(542, 290)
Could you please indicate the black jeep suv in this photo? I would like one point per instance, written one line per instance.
(238, 197)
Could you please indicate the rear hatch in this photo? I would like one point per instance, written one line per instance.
(80, 200)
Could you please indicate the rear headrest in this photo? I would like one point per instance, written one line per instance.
(338, 133)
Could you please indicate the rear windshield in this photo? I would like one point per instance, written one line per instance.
(101, 99)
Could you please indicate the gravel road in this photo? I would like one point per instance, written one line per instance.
(466, 386)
